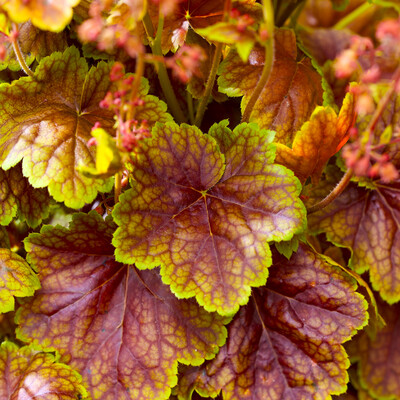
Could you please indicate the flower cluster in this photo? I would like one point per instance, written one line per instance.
(368, 153)
(123, 102)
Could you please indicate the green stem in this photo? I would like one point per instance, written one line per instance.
(338, 190)
(20, 58)
(213, 72)
(209, 86)
(349, 18)
(269, 60)
(162, 73)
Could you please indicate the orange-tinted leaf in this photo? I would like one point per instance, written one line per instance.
(204, 207)
(317, 141)
(286, 343)
(121, 328)
(18, 197)
(28, 374)
(35, 44)
(367, 222)
(379, 358)
(293, 91)
(47, 15)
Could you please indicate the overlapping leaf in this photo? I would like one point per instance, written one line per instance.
(17, 196)
(35, 43)
(46, 121)
(204, 207)
(286, 343)
(122, 329)
(47, 15)
(367, 222)
(293, 91)
(16, 279)
(379, 358)
(4, 239)
(318, 140)
(29, 374)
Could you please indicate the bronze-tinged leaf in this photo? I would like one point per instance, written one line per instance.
(318, 140)
(204, 208)
(293, 91)
(35, 44)
(121, 328)
(46, 121)
(286, 343)
(367, 222)
(27, 374)
(19, 198)
(379, 358)
(198, 14)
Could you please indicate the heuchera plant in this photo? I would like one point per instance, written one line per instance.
(199, 199)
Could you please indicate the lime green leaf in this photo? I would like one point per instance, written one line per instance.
(16, 279)
(229, 33)
(340, 5)
(121, 328)
(29, 374)
(108, 157)
(47, 15)
(289, 247)
(293, 91)
(286, 343)
(46, 121)
(367, 222)
(204, 207)
(18, 197)
(35, 44)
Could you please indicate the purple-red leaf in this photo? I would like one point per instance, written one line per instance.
(122, 329)
(27, 374)
(204, 207)
(286, 343)
(367, 222)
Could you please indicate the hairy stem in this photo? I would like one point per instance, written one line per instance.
(210, 84)
(338, 190)
(269, 60)
(213, 72)
(349, 18)
(162, 73)
(19, 55)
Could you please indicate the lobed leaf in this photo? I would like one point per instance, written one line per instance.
(291, 94)
(367, 222)
(318, 140)
(26, 373)
(47, 120)
(378, 358)
(123, 330)
(286, 343)
(35, 43)
(204, 207)
(16, 279)
(47, 15)
(18, 197)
